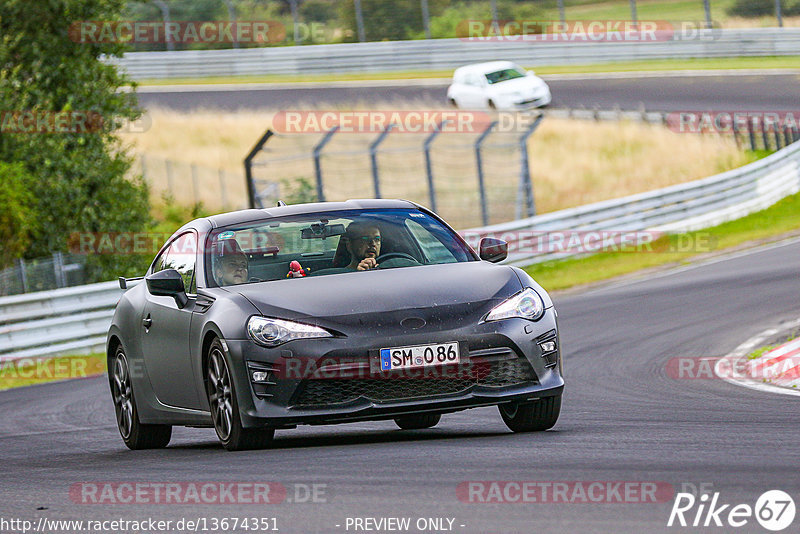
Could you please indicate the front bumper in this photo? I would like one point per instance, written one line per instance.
(279, 401)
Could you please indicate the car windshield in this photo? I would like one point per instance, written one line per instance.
(503, 75)
(328, 243)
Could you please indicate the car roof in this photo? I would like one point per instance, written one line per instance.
(489, 66)
(251, 215)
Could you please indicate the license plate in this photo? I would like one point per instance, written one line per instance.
(419, 356)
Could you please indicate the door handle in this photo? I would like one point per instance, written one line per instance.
(148, 322)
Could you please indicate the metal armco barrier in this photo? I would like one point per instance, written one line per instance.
(443, 54)
(74, 320)
(63, 321)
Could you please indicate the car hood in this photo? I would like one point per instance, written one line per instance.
(523, 85)
(467, 288)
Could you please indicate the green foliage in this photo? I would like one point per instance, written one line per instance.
(318, 11)
(298, 191)
(17, 217)
(758, 8)
(79, 179)
(389, 21)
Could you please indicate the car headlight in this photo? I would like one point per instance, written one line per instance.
(526, 305)
(273, 332)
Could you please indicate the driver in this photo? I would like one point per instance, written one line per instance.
(232, 264)
(363, 242)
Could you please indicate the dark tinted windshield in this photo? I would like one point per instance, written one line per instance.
(337, 242)
(503, 75)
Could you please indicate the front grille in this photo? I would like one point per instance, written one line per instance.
(488, 367)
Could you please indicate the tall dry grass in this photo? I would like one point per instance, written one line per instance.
(572, 162)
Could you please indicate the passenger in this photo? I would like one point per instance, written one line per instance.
(232, 265)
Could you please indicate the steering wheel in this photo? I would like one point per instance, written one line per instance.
(395, 255)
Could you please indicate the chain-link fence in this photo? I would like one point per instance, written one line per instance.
(189, 184)
(52, 272)
(471, 178)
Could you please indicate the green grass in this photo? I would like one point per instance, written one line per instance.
(41, 370)
(736, 63)
(776, 220)
(673, 10)
(756, 354)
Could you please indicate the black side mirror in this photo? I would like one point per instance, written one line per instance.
(168, 283)
(493, 250)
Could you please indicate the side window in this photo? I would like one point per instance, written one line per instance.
(434, 250)
(181, 257)
(162, 261)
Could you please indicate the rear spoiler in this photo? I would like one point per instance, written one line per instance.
(123, 282)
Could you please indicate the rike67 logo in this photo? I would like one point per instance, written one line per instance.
(774, 510)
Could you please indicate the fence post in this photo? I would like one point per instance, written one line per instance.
(764, 136)
(479, 162)
(317, 166)
(429, 166)
(143, 162)
(373, 158)
(707, 6)
(561, 14)
(426, 18)
(223, 190)
(751, 134)
(170, 179)
(232, 18)
(362, 35)
(779, 13)
(23, 274)
(248, 170)
(195, 184)
(165, 15)
(525, 173)
(295, 21)
(58, 269)
(634, 17)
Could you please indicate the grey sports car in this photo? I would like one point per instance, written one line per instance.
(326, 313)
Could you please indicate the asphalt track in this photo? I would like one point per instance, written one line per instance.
(724, 92)
(623, 419)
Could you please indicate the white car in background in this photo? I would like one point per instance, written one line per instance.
(500, 85)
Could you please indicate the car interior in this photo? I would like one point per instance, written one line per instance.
(273, 263)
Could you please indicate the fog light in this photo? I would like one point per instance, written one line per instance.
(548, 346)
(260, 376)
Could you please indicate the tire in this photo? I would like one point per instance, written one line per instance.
(452, 102)
(533, 416)
(417, 421)
(225, 408)
(135, 435)
(492, 105)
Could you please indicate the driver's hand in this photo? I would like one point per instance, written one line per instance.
(366, 264)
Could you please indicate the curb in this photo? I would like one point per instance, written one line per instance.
(772, 361)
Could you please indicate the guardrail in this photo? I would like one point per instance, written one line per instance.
(76, 319)
(445, 54)
(71, 320)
